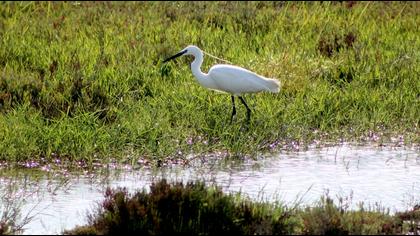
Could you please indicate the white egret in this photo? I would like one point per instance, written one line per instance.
(226, 78)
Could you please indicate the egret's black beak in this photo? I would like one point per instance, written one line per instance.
(175, 56)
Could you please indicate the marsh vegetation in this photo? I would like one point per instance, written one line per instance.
(84, 81)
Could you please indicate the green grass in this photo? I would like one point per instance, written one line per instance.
(85, 81)
(193, 208)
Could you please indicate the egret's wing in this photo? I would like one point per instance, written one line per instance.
(237, 80)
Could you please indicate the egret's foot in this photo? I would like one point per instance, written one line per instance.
(233, 117)
(245, 126)
(248, 117)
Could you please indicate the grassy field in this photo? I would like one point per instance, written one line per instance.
(85, 81)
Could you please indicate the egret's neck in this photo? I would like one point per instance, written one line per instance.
(201, 77)
(196, 67)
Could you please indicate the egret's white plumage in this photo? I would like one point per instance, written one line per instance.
(237, 80)
(228, 78)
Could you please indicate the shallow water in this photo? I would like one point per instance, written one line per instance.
(379, 176)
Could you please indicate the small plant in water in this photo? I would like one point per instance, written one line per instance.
(189, 208)
(11, 220)
(193, 208)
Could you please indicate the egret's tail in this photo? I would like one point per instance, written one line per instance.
(272, 85)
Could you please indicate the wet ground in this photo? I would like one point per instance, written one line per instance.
(384, 177)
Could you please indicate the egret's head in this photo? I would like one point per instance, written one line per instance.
(190, 50)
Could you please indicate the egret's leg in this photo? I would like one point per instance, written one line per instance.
(233, 109)
(248, 111)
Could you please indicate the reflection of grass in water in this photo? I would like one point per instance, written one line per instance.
(17, 193)
(85, 81)
(197, 209)
(12, 199)
(322, 216)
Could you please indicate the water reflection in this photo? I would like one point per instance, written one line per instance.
(389, 176)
